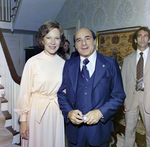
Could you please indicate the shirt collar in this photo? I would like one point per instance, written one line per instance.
(92, 58)
(145, 52)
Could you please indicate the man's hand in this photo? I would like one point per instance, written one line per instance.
(124, 108)
(75, 117)
(93, 117)
(24, 130)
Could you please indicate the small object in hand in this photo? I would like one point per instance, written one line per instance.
(84, 117)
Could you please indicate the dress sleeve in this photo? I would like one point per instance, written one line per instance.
(23, 103)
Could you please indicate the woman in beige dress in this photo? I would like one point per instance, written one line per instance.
(41, 120)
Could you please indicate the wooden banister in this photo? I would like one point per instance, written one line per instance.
(9, 61)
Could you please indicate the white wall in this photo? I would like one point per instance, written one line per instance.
(99, 15)
(25, 41)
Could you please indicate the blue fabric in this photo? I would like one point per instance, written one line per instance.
(84, 91)
(107, 95)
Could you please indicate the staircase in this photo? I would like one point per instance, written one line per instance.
(8, 86)
(7, 134)
(8, 13)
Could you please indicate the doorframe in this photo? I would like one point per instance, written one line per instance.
(71, 25)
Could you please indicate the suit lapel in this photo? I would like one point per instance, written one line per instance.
(132, 61)
(147, 66)
(74, 72)
(101, 66)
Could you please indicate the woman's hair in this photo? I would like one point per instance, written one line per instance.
(44, 30)
(68, 47)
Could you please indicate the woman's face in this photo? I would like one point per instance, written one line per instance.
(66, 47)
(51, 41)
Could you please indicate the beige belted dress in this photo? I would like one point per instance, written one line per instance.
(38, 103)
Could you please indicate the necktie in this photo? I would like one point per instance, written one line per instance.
(139, 77)
(85, 72)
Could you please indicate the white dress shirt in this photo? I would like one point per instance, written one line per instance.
(91, 64)
(145, 53)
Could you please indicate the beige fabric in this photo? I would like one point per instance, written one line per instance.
(37, 102)
(129, 82)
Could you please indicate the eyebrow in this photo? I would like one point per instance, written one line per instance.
(84, 37)
(87, 36)
(78, 39)
(141, 34)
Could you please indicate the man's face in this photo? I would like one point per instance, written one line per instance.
(85, 43)
(142, 40)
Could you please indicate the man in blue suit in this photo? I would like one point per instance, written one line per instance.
(89, 97)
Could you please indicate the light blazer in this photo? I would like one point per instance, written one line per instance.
(107, 96)
(129, 80)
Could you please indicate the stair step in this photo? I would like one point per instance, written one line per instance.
(2, 91)
(1, 87)
(3, 100)
(15, 7)
(8, 123)
(5, 137)
(12, 130)
(8, 118)
(16, 135)
(18, 144)
(12, 145)
(4, 106)
(2, 120)
(7, 115)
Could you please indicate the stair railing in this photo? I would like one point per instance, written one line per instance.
(10, 64)
(9, 12)
(15, 8)
(10, 80)
(5, 10)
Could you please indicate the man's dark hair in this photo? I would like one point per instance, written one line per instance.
(142, 28)
(136, 33)
(93, 35)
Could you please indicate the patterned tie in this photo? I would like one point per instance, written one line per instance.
(139, 81)
(85, 72)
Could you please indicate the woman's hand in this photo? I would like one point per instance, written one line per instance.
(24, 130)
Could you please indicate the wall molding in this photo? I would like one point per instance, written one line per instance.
(70, 25)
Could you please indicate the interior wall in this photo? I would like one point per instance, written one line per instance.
(24, 41)
(99, 15)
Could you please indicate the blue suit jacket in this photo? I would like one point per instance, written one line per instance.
(107, 96)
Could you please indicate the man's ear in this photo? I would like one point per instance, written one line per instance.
(148, 40)
(135, 40)
(94, 42)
